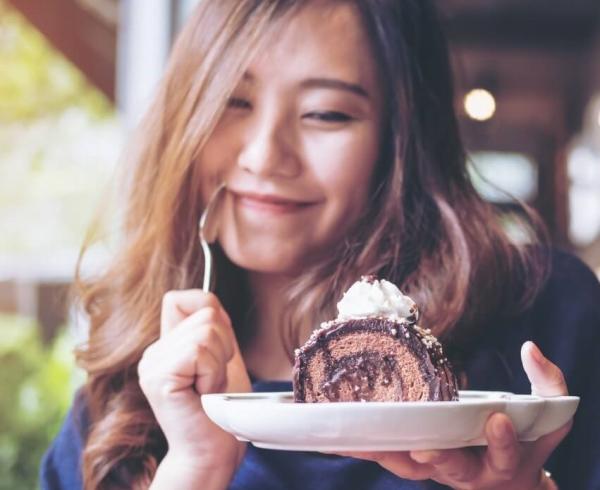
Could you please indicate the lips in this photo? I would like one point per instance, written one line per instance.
(270, 203)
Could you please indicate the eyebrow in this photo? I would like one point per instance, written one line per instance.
(326, 83)
(336, 84)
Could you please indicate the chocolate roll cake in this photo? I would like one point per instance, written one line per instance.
(373, 351)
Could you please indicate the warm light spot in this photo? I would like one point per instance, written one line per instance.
(598, 121)
(480, 104)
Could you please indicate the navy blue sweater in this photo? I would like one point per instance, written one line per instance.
(564, 321)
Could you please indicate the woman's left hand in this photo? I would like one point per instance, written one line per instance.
(505, 463)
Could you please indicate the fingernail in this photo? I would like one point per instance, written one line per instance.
(503, 431)
(424, 457)
(536, 353)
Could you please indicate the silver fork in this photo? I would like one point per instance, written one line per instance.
(208, 228)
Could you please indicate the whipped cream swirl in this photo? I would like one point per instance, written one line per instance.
(373, 297)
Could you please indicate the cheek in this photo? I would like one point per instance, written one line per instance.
(344, 166)
(215, 160)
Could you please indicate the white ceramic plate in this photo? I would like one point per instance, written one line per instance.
(274, 421)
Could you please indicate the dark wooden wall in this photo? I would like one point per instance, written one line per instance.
(536, 58)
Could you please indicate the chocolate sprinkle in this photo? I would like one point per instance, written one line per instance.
(371, 373)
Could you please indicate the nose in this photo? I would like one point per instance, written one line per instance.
(268, 148)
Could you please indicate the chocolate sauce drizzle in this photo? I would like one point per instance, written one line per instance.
(362, 369)
(359, 371)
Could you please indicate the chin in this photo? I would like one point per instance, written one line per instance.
(264, 261)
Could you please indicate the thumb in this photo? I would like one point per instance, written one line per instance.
(545, 377)
(238, 380)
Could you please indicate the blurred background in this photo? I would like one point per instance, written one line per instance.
(77, 74)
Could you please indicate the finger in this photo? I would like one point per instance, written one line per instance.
(178, 356)
(398, 462)
(210, 372)
(451, 465)
(545, 377)
(206, 327)
(237, 375)
(543, 447)
(504, 450)
(178, 305)
(366, 455)
(196, 339)
(194, 365)
(176, 351)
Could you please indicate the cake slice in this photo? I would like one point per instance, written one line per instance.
(373, 351)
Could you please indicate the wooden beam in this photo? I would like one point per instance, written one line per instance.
(554, 25)
(86, 40)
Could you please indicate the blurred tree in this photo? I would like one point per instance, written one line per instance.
(59, 143)
(37, 387)
(36, 80)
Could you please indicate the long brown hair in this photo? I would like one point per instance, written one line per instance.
(425, 228)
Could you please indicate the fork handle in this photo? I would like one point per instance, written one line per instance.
(206, 282)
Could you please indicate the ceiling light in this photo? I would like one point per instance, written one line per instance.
(480, 104)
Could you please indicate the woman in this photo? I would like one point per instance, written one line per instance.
(332, 124)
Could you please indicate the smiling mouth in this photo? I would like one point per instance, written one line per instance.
(270, 204)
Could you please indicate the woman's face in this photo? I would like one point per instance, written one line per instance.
(298, 143)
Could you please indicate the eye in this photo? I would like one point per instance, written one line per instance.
(238, 103)
(328, 116)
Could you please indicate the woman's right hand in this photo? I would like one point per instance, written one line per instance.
(196, 353)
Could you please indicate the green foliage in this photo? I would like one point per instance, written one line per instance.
(38, 383)
(59, 143)
(36, 79)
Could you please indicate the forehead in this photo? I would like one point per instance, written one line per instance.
(323, 38)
